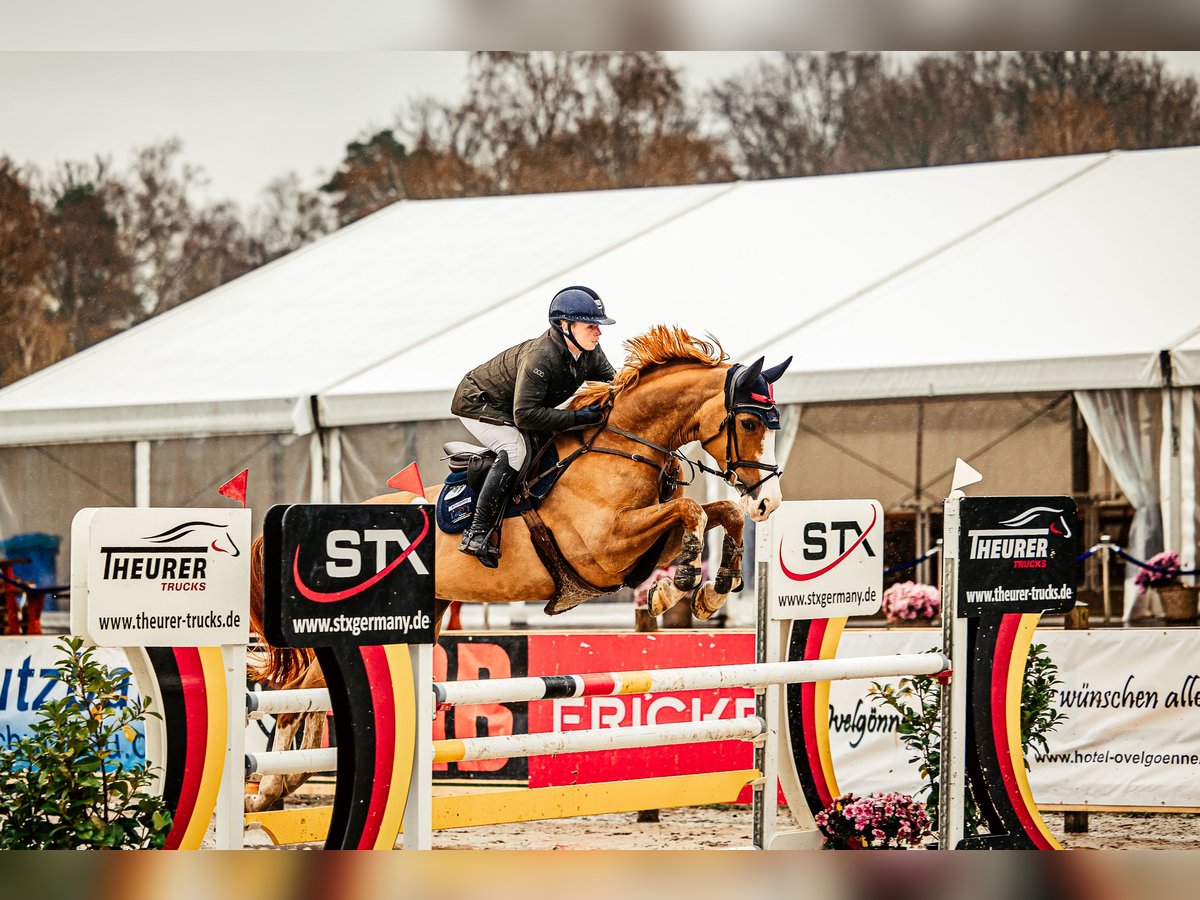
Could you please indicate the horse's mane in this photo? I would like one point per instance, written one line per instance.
(660, 346)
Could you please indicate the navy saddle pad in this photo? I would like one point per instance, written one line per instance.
(456, 504)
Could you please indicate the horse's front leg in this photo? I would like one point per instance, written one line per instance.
(713, 594)
(633, 532)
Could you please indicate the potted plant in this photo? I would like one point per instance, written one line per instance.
(880, 821)
(1161, 575)
(912, 603)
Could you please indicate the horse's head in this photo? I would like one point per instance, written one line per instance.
(741, 425)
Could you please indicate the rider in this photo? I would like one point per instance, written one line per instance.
(522, 388)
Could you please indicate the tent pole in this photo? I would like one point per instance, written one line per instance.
(316, 461)
(1168, 474)
(334, 472)
(1187, 480)
(141, 474)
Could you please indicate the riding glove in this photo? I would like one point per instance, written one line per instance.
(589, 415)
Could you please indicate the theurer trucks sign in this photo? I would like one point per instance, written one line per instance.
(161, 577)
(1017, 555)
(826, 559)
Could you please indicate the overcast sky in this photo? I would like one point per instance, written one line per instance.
(248, 117)
(245, 118)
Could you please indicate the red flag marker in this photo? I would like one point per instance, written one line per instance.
(408, 479)
(235, 487)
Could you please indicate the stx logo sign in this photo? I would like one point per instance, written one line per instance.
(829, 559)
(346, 559)
(344, 549)
(348, 575)
(817, 542)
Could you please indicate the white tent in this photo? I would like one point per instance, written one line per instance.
(1073, 275)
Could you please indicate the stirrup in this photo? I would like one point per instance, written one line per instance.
(481, 547)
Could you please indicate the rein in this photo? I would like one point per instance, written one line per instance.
(667, 480)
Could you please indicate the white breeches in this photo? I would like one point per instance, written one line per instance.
(497, 438)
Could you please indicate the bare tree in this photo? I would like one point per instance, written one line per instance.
(947, 109)
(552, 121)
(1094, 101)
(218, 248)
(289, 217)
(788, 114)
(156, 215)
(23, 255)
(813, 113)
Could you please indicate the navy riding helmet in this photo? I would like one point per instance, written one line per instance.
(578, 304)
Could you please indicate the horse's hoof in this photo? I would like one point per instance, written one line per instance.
(700, 609)
(652, 604)
(728, 581)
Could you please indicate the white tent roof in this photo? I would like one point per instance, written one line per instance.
(1035, 275)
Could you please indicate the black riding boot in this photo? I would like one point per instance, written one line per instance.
(496, 488)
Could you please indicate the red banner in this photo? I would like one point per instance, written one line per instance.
(584, 653)
(502, 656)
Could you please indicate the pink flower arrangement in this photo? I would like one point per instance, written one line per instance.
(1165, 572)
(910, 601)
(883, 821)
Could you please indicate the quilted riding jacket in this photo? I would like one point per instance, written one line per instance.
(523, 385)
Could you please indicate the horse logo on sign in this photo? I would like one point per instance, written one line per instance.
(1034, 513)
(221, 543)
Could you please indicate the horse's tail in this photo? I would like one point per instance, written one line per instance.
(276, 665)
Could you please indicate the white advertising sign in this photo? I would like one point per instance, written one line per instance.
(161, 577)
(826, 559)
(1131, 736)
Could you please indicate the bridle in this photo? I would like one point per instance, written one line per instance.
(669, 481)
(758, 408)
(732, 463)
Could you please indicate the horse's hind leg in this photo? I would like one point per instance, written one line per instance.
(439, 612)
(273, 788)
(314, 731)
(713, 594)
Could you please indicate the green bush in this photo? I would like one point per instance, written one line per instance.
(63, 786)
(917, 700)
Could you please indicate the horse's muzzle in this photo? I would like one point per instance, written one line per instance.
(760, 508)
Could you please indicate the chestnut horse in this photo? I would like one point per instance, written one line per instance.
(616, 512)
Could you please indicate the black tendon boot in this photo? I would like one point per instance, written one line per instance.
(496, 488)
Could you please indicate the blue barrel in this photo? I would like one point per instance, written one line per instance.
(41, 550)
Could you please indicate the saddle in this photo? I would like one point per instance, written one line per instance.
(469, 464)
